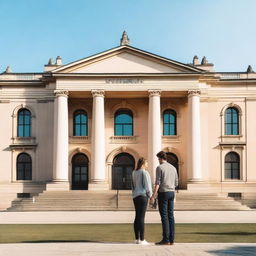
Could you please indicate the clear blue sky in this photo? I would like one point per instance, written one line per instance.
(32, 31)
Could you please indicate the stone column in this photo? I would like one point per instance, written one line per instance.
(98, 181)
(60, 143)
(195, 135)
(154, 131)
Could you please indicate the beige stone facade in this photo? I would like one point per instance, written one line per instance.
(146, 85)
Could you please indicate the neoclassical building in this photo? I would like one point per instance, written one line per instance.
(83, 125)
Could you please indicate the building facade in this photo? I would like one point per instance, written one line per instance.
(83, 126)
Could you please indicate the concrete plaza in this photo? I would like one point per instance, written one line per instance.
(125, 249)
(87, 217)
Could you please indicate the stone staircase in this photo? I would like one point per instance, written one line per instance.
(121, 201)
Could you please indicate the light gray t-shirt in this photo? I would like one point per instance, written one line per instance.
(141, 183)
(166, 177)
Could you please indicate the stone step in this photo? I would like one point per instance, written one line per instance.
(110, 200)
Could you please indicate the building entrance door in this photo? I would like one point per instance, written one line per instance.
(80, 172)
(173, 159)
(123, 165)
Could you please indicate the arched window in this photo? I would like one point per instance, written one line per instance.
(24, 167)
(232, 166)
(123, 123)
(169, 122)
(24, 123)
(231, 121)
(80, 121)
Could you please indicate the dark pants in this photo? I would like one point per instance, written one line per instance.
(166, 205)
(140, 204)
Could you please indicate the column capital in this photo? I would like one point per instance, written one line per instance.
(98, 93)
(59, 93)
(154, 93)
(194, 92)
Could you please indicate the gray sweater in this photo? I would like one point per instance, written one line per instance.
(166, 177)
(141, 183)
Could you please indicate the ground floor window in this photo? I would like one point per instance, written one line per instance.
(24, 167)
(232, 166)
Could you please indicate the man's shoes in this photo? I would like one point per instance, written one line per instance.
(171, 243)
(162, 243)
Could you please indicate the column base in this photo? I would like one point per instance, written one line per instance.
(195, 181)
(58, 186)
(98, 186)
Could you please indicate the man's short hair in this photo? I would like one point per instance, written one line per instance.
(162, 155)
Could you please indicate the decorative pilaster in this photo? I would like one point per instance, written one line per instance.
(195, 135)
(60, 142)
(98, 181)
(154, 130)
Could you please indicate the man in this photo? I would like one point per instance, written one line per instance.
(166, 181)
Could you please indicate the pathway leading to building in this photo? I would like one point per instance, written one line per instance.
(113, 249)
(124, 217)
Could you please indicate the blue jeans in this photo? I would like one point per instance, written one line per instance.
(166, 205)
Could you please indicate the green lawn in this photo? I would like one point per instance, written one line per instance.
(188, 233)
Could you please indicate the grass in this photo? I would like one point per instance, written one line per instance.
(185, 233)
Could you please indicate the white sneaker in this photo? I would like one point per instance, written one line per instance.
(137, 241)
(144, 242)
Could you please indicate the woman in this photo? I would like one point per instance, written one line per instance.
(141, 192)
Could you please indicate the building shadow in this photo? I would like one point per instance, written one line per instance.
(238, 250)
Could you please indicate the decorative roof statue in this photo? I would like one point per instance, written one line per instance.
(195, 60)
(204, 61)
(8, 70)
(249, 69)
(50, 62)
(125, 39)
(58, 60)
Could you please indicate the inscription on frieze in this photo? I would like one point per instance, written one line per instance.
(124, 81)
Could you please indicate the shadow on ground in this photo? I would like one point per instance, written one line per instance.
(61, 241)
(226, 233)
(235, 250)
(73, 241)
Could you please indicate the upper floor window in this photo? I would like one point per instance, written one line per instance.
(123, 123)
(231, 121)
(232, 166)
(24, 167)
(24, 123)
(80, 123)
(169, 122)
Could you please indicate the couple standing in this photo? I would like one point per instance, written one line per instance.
(164, 191)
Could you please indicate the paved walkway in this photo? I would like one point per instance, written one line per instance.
(125, 217)
(108, 249)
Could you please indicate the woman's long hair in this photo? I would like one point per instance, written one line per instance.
(140, 163)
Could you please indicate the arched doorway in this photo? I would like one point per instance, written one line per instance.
(123, 165)
(173, 159)
(80, 172)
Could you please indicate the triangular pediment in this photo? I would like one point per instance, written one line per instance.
(126, 59)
